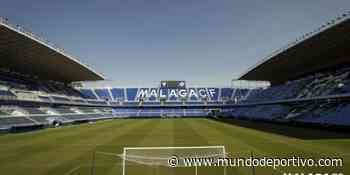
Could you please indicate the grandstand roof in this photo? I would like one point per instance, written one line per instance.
(22, 51)
(326, 47)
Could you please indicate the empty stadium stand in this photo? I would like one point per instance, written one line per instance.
(7, 122)
(160, 112)
(152, 96)
(333, 82)
(303, 90)
(38, 93)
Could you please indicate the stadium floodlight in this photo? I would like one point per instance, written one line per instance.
(141, 159)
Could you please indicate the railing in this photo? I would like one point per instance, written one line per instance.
(28, 32)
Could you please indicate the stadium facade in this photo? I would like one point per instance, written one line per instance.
(35, 92)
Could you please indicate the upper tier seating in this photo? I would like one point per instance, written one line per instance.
(118, 94)
(22, 87)
(164, 96)
(103, 94)
(321, 84)
(227, 94)
(88, 94)
(334, 82)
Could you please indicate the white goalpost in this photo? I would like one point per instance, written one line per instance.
(139, 159)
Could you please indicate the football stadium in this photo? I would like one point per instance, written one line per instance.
(295, 121)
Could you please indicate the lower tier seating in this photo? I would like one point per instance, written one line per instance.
(314, 113)
(170, 112)
(7, 122)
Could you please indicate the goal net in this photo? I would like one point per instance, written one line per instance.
(170, 160)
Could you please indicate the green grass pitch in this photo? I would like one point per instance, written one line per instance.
(69, 150)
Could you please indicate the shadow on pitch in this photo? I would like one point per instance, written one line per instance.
(301, 131)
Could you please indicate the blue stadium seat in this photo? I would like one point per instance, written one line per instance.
(131, 94)
(214, 96)
(193, 98)
(118, 94)
(226, 93)
(88, 94)
(152, 97)
(103, 94)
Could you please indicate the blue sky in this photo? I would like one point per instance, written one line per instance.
(151, 40)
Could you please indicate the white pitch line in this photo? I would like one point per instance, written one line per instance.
(72, 170)
(108, 154)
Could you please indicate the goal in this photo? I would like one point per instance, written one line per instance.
(170, 160)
